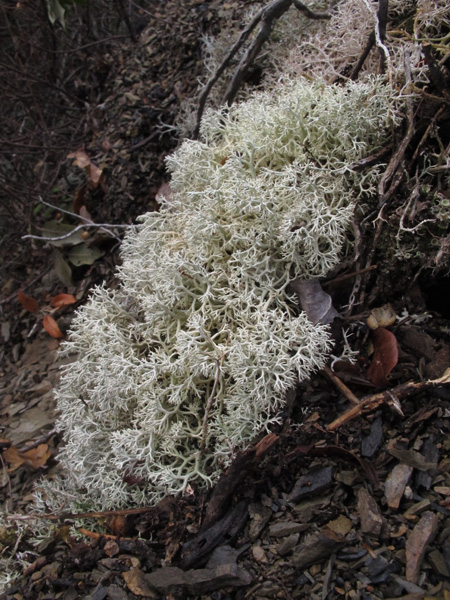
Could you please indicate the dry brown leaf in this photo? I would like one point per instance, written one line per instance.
(94, 174)
(82, 160)
(316, 303)
(62, 300)
(385, 356)
(36, 458)
(51, 327)
(137, 584)
(29, 303)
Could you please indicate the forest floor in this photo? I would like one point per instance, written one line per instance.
(342, 500)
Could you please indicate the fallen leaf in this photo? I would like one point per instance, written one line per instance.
(94, 174)
(385, 356)
(83, 255)
(51, 327)
(62, 268)
(137, 584)
(82, 160)
(36, 458)
(65, 232)
(29, 303)
(85, 214)
(62, 300)
(316, 303)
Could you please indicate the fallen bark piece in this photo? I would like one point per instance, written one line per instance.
(226, 485)
(260, 515)
(369, 514)
(286, 528)
(137, 583)
(197, 581)
(288, 544)
(198, 550)
(225, 555)
(430, 454)
(310, 484)
(417, 543)
(396, 483)
(317, 547)
(412, 458)
(371, 443)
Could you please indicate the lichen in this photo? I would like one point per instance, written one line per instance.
(191, 357)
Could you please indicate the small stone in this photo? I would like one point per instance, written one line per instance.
(115, 592)
(260, 515)
(316, 547)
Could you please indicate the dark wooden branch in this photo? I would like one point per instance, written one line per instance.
(439, 78)
(382, 24)
(266, 17)
(226, 61)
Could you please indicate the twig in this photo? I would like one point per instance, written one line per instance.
(86, 223)
(391, 397)
(423, 139)
(266, 16)
(87, 515)
(270, 14)
(379, 32)
(341, 386)
(210, 401)
(352, 275)
(77, 228)
(41, 440)
(400, 152)
(438, 76)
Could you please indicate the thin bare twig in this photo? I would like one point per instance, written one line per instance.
(77, 228)
(210, 401)
(341, 386)
(400, 152)
(103, 226)
(41, 440)
(390, 397)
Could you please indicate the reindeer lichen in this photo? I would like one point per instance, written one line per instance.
(191, 357)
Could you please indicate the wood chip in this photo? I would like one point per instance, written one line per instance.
(317, 547)
(417, 543)
(396, 483)
(369, 514)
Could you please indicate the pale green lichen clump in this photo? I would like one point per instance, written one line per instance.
(202, 316)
